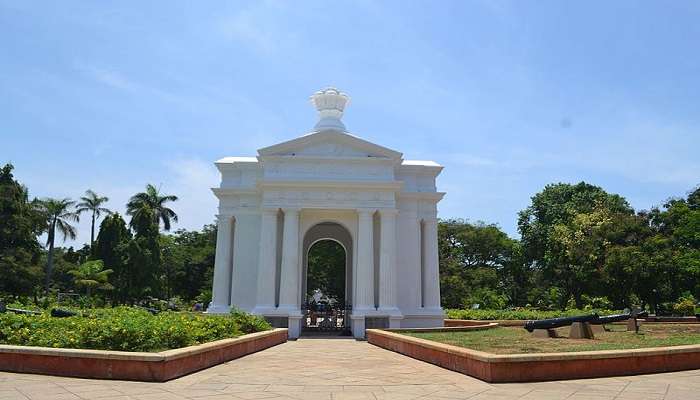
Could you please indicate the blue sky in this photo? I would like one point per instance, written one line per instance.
(508, 96)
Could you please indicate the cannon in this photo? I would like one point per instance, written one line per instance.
(4, 309)
(608, 319)
(153, 311)
(559, 322)
(58, 313)
(21, 311)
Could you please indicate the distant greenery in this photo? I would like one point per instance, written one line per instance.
(124, 263)
(580, 248)
(125, 329)
(522, 314)
(517, 340)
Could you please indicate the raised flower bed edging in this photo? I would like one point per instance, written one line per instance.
(135, 366)
(541, 366)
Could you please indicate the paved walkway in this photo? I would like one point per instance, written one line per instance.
(343, 369)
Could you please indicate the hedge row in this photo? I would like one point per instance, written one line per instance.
(520, 314)
(125, 329)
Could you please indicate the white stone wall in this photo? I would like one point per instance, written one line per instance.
(388, 206)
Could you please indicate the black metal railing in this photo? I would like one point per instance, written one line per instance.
(322, 317)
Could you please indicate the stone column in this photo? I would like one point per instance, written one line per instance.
(364, 292)
(387, 261)
(289, 288)
(267, 262)
(431, 277)
(223, 268)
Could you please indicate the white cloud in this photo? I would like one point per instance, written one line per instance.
(117, 80)
(262, 27)
(192, 183)
(245, 28)
(109, 77)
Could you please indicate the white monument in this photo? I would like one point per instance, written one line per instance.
(329, 184)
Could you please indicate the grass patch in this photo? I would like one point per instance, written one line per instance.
(521, 314)
(125, 329)
(507, 340)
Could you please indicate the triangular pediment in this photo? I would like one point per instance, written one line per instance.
(329, 144)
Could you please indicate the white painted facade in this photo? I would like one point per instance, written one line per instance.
(384, 207)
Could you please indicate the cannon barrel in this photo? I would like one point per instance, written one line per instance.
(608, 319)
(20, 311)
(642, 315)
(558, 322)
(58, 313)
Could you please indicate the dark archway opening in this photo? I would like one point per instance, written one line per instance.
(326, 273)
(327, 280)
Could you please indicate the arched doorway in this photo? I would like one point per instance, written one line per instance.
(327, 279)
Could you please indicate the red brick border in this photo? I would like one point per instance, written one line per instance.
(540, 367)
(136, 366)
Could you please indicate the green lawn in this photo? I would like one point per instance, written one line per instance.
(504, 340)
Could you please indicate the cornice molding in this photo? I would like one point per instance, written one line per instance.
(329, 159)
(394, 186)
(219, 192)
(436, 196)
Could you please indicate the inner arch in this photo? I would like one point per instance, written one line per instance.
(336, 233)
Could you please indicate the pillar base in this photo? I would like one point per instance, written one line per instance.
(395, 322)
(294, 326)
(358, 326)
(264, 310)
(218, 308)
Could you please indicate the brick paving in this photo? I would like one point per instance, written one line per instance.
(343, 369)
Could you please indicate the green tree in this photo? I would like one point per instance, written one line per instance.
(578, 251)
(144, 258)
(92, 275)
(64, 261)
(20, 223)
(92, 203)
(326, 270)
(564, 224)
(627, 276)
(678, 223)
(693, 199)
(111, 247)
(59, 215)
(154, 203)
(478, 265)
(188, 262)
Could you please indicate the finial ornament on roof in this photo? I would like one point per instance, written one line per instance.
(330, 103)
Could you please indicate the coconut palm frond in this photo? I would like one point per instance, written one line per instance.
(154, 202)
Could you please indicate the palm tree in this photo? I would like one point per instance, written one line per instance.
(91, 274)
(58, 216)
(151, 201)
(92, 203)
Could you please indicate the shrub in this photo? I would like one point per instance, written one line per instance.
(521, 314)
(124, 329)
(685, 306)
(597, 303)
(249, 322)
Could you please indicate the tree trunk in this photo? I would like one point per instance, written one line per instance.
(49, 258)
(92, 235)
(578, 299)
